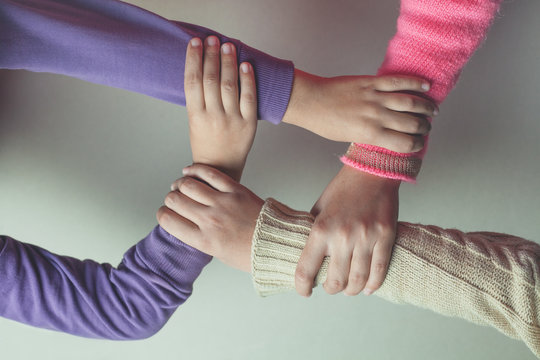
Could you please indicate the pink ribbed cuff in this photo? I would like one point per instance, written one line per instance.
(382, 162)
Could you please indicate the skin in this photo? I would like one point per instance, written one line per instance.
(356, 215)
(222, 119)
(356, 228)
(222, 122)
(363, 109)
(218, 215)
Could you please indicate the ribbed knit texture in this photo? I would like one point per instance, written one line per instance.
(434, 41)
(487, 278)
(118, 44)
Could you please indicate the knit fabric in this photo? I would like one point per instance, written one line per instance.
(487, 278)
(85, 298)
(434, 41)
(117, 44)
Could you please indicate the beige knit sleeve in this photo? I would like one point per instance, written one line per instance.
(487, 278)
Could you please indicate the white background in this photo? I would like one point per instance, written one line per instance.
(85, 167)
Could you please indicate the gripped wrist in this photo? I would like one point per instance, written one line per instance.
(301, 95)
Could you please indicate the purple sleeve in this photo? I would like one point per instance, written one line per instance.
(117, 44)
(132, 301)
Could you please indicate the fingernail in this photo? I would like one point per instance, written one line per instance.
(185, 170)
(436, 112)
(425, 86)
(226, 48)
(195, 42)
(245, 68)
(212, 40)
(368, 292)
(172, 187)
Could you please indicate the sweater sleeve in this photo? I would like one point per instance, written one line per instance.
(84, 298)
(434, 41)
(117, 44)
(487, 278)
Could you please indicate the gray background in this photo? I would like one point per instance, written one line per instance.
(84, 168)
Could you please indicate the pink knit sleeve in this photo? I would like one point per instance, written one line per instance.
(434, 41)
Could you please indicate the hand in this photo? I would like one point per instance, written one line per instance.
(213, 214)
(363, 109)
(222, 123)
(355, 224)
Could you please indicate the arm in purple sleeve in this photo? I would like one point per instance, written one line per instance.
(132, 301)
(117, 44)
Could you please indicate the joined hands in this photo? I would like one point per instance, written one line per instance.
(355, 217)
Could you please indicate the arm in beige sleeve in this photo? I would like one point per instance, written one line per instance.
(487, 278)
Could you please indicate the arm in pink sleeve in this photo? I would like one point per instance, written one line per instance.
(434, 41)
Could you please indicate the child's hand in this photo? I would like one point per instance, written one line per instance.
(363, 109)
(218, 218)
(222, 123)
(355, 224)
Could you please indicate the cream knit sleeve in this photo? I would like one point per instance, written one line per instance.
(487, 278)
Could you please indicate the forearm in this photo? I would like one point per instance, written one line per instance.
(117, 44)
(487, 278)
(434, 41)
(84, 298)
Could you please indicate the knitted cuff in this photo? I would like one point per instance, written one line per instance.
(382, 162)
(486, 278)
(278, 240)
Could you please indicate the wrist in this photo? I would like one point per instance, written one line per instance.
(234, 171)
(301, 95)
(357, 176)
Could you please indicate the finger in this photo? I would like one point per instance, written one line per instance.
(248, 92)
(401, 142)
(359, 272)
(211, 81)
(382, 253)
(186, 207)
(308, 265)
(405, 122)
(177, 226)
(212, 176)
(229, 79)
(193, 86)
(197, 191)
(408, 103)
(338, 271)
(400, 83)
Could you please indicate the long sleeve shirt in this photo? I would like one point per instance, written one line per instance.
(117, 44)
(85, 298)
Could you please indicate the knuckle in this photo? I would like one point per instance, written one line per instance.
(416, 126)
(192, 79)
(374, 111)
(248, 97)
(171, 198)
(333, 286)
(419, 143)
(408, 144)
(344, 233)
(395, 82)
(409, 102)
(358, 279)
(210, 78)
(162, 216)
(379, 267)
(215, 221)
(186, 184)
(301, 276)
(228, 85)
(320, 227)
